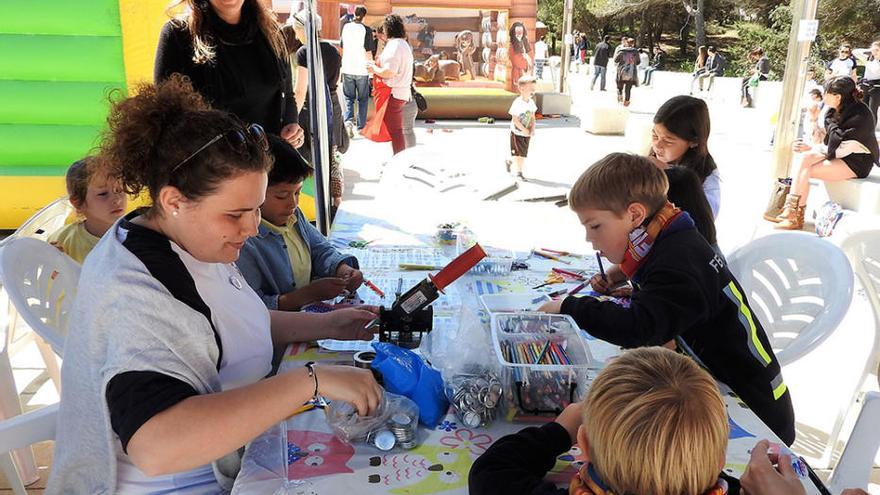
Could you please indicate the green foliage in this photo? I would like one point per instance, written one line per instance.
(773, 39)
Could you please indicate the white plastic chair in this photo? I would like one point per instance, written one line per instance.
(798, 285)
(853, 470)
(45, 222)
(21, 432)
(41, 283)
(863, 251)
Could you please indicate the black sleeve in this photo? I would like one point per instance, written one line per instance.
(171, 55)
(289, 111)
(668, 303)
(369, 42)
(134, 397)
(516, 464)
(302, 59)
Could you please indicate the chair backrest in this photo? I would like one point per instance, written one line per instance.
(798, 285)
(41, 283)
(45, 222)
(853, 470)
(863, 250)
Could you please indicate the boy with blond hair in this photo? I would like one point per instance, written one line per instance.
(653, 423)
(683, 293)
(522, 125)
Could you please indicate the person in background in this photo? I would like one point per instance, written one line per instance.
(541, 51)
(99, 202)
(331, 62)
(644, 59)
(235, 55)
(358, 48)
(657, 63)
(395, 68)
(681, 137)
(870, 84)
(600, 62)
(627, 61)
(699, 68)
(715, 65)
(522, 125)
(583, 48)
(850, 149)
(760, 72)
(844, 65)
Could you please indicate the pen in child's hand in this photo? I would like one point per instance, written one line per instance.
(601, 268)
(375, 289)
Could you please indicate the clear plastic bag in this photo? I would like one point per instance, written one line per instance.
(394, 425)
(472, 377)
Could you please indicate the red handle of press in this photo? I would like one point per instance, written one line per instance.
(458, 267)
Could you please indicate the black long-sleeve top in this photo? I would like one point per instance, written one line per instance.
(683, 291)
(516, 464)
(855, 123)
(245, 77)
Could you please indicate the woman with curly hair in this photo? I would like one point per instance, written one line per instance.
(164, 374)
(519, 56)
(236, 57)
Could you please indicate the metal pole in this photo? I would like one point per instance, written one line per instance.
(318, 121)
(566, 45)
(792, 87)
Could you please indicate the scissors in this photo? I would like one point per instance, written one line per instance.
(553, 278)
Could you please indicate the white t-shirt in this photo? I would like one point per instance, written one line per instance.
(354, 55)
(872, 70)
(398, 57)
(843, 67)
(524, 111)
(540, 50)
(712, 189)
(242, 321)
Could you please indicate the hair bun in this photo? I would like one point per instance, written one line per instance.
(136, 126)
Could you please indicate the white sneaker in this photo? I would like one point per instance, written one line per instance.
(349, 128)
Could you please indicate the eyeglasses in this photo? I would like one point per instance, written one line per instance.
(237, 139)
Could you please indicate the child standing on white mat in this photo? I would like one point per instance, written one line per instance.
(522, 124)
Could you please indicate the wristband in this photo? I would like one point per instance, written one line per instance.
(311, 367)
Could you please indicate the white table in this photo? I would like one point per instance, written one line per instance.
(301, 455)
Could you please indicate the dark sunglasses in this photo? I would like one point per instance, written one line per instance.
(237, 138)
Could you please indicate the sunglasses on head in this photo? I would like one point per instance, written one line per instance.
(237, 138)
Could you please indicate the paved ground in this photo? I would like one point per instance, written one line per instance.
(560, 151)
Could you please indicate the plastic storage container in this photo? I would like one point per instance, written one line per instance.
(545, 360)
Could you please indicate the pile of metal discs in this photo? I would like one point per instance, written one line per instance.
(400, 430)
(475, 396)
(404, 428)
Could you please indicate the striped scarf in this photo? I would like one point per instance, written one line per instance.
(641, 240)
(587, 482)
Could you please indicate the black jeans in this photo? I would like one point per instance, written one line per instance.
(872, 98)
(624, 88)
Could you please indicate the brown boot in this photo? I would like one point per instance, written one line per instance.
(791, 202)
(795, 219)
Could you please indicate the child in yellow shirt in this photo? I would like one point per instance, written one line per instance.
(99, 201)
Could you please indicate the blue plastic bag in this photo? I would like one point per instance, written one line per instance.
(404, 373)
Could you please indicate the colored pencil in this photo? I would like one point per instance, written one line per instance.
(574, 275)
(375, 289)
(601, 268)
(578, 288)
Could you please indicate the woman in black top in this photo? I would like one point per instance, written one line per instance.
(851, 152)
(236, 57)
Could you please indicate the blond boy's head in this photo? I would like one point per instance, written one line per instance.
(526, 86)
(654, 422)
(614, 196)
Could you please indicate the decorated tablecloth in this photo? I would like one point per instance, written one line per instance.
(302, 456)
